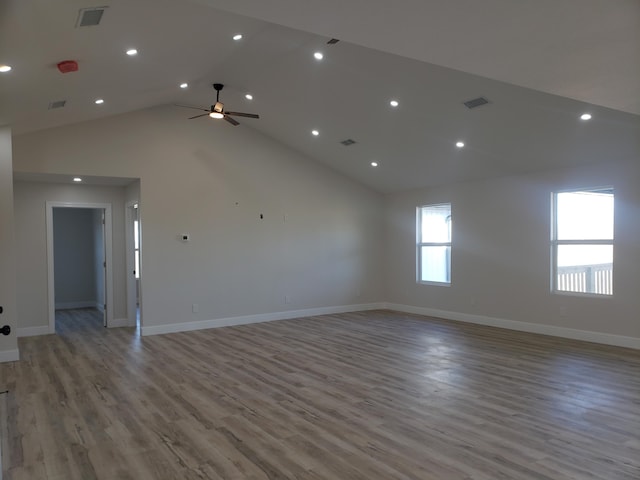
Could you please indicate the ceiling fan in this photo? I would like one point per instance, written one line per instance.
(217, 110)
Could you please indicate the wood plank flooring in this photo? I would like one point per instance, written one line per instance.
(370, 395)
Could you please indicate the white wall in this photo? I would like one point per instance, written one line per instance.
(31, 238)
(323, 239)
(73, 252)
(8, 344)
(501, 251)
(318, 243)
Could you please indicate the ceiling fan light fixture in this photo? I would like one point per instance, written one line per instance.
(217, 109)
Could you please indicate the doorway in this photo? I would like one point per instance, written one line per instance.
(134, 244)
(79, 252)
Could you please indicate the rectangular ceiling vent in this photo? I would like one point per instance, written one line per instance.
(57, 104)
(348, 142)
(333, 41)
(90, 17)
(476, 102)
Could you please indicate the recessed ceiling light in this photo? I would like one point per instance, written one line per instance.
(394, 103)
(248, 96)
(585, 116)
(184, 85)
(77, 179)
(459, 144)
(99, 101)
(237, 36)
(315, 133)
(374, 164)
(132, 51)
(318, 56)
(5, 68)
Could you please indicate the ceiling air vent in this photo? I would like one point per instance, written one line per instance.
(476, 102)
(348, 142)
(57, 104)
(89, 17)
(333, 41)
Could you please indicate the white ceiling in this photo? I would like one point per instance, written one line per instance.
(68, 179)
(540, 63)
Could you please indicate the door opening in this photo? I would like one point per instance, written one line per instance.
(79, 244)
(134, 244)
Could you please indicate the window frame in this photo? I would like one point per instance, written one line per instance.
(420, 244)
(555, 243)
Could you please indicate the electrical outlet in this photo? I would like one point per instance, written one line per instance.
(287, 299)
(195, 308)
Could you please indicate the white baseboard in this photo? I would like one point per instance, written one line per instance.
(118, 322)
(9, 355)
(266, 317)
(80, 304)
(574, 334)
(33, 331)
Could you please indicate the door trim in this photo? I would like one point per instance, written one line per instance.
(108, 226)
(131, 280)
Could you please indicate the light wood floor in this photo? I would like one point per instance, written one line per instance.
(371, 395)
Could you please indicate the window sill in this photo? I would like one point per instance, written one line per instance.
(581, 294)
(435, 284)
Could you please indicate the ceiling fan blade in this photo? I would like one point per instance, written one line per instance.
(231, 120)
(195, 108)
(198, 116)
(240, 114)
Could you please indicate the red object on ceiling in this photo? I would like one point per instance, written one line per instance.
(68, 66)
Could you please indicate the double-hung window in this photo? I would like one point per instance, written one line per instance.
(434, 243)
(582, 241)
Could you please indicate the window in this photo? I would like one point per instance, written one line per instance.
(582, 241)
(136, 242)
(434, 243)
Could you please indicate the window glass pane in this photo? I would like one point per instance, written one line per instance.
(585, 269)
(435, 264)
(137, 263)
(585, 215)
(136, 241)
(435, 222)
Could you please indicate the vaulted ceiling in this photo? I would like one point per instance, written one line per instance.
(540, 64)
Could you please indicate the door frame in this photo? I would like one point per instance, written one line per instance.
(108, 247)
(131, 279)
